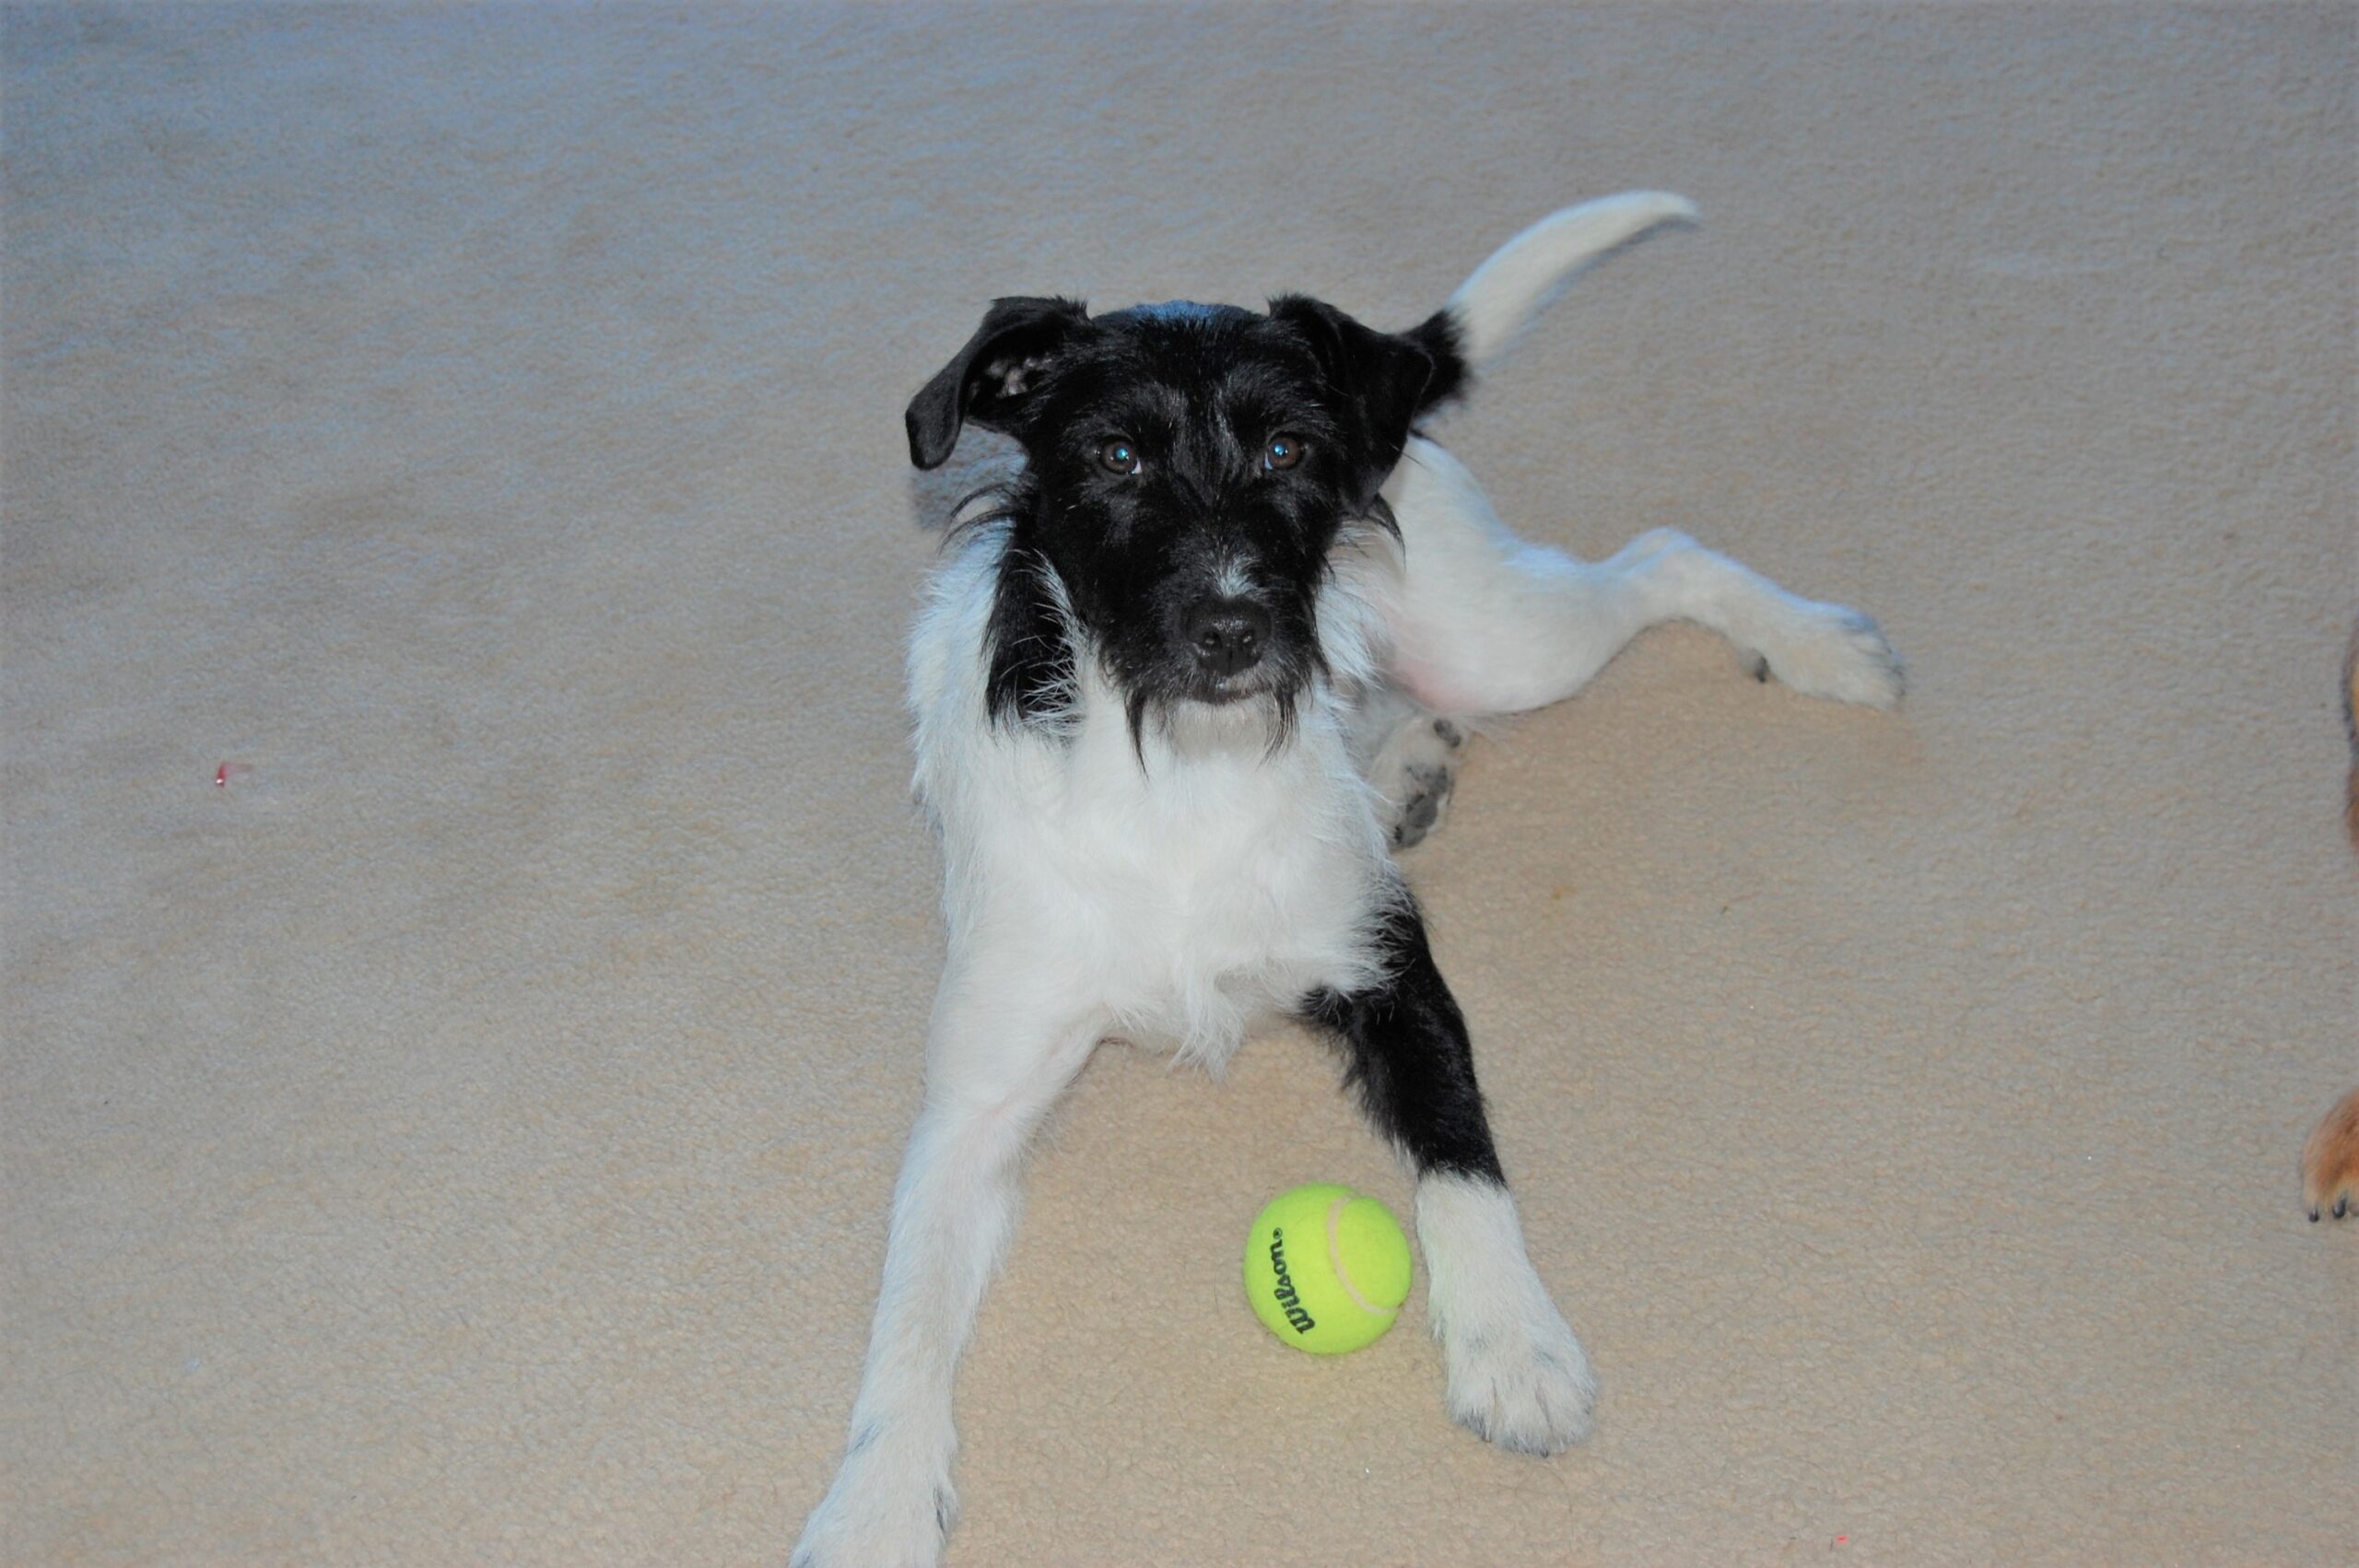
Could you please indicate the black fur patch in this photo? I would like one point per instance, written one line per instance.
(1407, 1052)
(1452, 378)
(1032, 656)
(1151, 487)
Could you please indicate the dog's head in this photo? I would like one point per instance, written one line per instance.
(1187, 470)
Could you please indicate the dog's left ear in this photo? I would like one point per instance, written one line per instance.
(1387, 379)
(987, 380)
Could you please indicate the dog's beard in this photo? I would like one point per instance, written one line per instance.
(1193, 710)
(1191, 723)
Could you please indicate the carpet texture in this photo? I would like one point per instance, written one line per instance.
(463, 1131)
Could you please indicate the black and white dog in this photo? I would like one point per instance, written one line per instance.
(1180, 689)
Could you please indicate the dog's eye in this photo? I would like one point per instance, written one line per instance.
(1118, 456)
(1283, 452)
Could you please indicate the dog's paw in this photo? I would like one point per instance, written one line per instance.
(1416, 771)
(1829, 650)
(2330, 1162)
(1522, 1382)
(882, 1512)
(1516, 1374)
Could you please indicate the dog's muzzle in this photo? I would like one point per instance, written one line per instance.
(1228, 636)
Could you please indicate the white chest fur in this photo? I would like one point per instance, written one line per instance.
(1178, 890)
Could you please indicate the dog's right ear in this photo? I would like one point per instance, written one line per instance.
(987, 380)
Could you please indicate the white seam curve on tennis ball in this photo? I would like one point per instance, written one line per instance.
(1335, 1259)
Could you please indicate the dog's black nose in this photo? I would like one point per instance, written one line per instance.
(1229, 635)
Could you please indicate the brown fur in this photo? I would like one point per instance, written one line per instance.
(2330, 1157)
(2331, 1161)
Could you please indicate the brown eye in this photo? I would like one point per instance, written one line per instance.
(1118, 456)
(1283, 452)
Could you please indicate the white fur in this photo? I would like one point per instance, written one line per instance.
(1523, 275)
(1486, 623)
(1174, 895)
(1516, 1374)
(1173, 898)
(1178, 896)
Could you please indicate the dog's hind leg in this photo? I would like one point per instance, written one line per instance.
(1409, 754)
(1516, 1374)
(1482, 621)
(993, 1070)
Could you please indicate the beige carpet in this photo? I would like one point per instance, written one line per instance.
(464, 1136)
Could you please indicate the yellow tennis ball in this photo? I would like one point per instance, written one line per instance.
(1326, 1269)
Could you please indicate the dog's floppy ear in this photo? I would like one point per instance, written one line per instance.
(1387, 379)
(986, 380)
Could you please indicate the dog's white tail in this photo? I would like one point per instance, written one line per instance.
(1524, 275)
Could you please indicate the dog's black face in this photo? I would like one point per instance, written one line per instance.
(1188, 468)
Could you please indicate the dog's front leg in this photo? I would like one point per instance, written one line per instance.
(1517, 1375)
(994, 1066)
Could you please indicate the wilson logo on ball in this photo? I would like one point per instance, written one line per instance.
(1288, 1302)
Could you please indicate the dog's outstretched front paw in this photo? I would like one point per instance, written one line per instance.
(881, 1513)
(1523, 1385)
(2330, 1162)
(1829, 650)
(1517, 1375)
